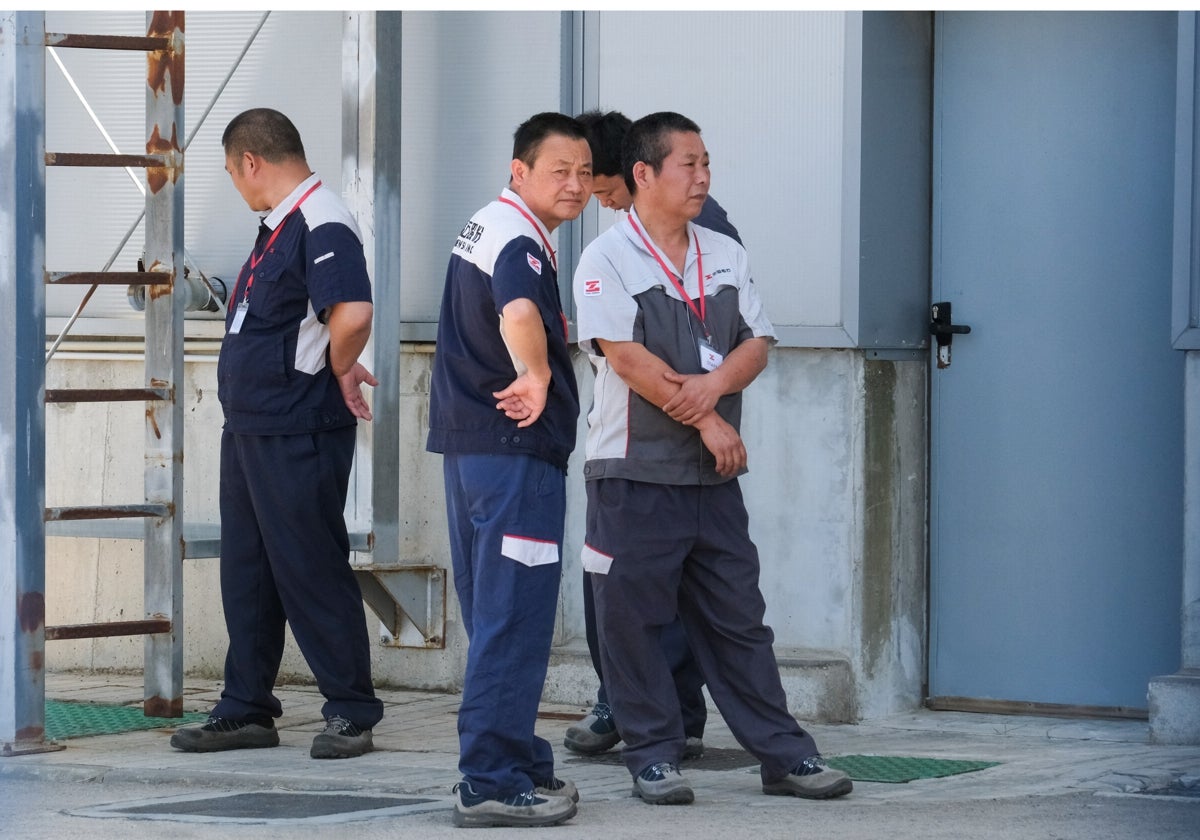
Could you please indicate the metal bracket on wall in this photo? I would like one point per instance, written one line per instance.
(409, 600)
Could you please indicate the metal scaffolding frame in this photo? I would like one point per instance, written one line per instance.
(23, 516)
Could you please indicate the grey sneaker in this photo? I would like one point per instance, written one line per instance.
(694, 748)
(219, 733)
(341, 739)
(555, 786)
(473, 810)
(811, 779)
(663, 784)
(595, 733)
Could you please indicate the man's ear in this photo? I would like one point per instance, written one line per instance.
(641, 174)
(250, 164)
(519, 172)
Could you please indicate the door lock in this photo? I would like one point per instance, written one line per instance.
(943, 329)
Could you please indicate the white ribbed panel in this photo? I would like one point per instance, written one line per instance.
(749, 79)
(469, 79)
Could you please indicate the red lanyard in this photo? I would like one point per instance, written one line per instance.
(255, 259)
(698, 312)
(549, 250)
(538, 228)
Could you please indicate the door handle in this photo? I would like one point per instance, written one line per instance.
(943, 329)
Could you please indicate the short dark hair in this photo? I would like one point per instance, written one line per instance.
(527, 139)
(605, 134)
(646, 141)
(264, 132)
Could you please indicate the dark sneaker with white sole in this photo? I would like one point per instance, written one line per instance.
(812, 778)
(341, 739)
(663, 784)
(473, 810)
(219, 733)
(593, 734)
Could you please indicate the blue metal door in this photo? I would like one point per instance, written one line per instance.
(1056, 507)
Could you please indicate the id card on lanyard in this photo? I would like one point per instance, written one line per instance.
(239, 314)
(710, 358)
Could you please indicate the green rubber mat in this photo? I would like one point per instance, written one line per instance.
(77, 720)
(893, 768)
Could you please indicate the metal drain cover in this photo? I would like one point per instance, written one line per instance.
(1183, 788)
(273, 807)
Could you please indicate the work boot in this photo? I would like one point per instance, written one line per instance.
(473, 810)
(663, 784)
(811, 779)
(595, 733)
(219, 733)
(341, 739)
(555, 786)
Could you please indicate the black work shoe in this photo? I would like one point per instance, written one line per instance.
(811, 779)
(693, 748)
(593, 734)
(473, 810)
(224, 734)
(341, 739)
(663, 784)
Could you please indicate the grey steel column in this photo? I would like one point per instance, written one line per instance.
(164, 367)
(1174, 699)
(383, 98)
(22, 383)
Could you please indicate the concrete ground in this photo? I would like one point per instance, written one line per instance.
(1061, 779)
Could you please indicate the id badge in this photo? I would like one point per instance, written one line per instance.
(239, 315)
(710, 359)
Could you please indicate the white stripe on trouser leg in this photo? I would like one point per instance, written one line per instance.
(529, 552)
(595, 561)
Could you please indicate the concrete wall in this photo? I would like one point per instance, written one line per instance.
(836, 495)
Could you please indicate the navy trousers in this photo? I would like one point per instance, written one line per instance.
(285, 560)
(685, 671)
(685, 550)
(506, 517)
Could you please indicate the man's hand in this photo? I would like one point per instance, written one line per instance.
(726, 445)
(350, 383)
(523, 400)
(697, 396)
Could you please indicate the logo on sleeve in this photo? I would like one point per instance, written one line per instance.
(534, 262)
(591, 287)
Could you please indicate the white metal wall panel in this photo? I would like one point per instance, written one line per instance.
(468, 80)
(294, 64)
(769, 92)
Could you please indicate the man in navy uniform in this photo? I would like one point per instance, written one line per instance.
(503, 409)
(289, 382)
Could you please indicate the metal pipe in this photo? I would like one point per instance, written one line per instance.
(108, 628)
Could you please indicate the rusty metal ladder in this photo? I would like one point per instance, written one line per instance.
(22, 684)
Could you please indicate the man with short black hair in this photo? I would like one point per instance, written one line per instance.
(503, 410)
(289, 382)
(675, 330)
(597, 731)
(606, 136)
